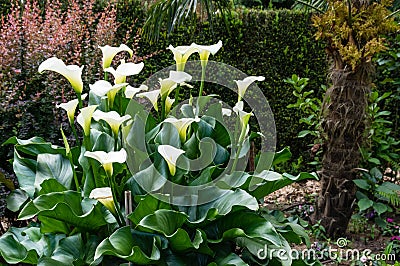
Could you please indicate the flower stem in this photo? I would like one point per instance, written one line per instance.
(71, 123)
(118, 216)
(203, 75)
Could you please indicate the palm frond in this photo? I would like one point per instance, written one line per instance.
(317, 5)
(166, 15)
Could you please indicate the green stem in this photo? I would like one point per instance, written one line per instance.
(71, 123)
(203, 75)
(78, 188)
(105, 76)
(80, 100)
(177, 90)
(163, 99)
(118, 216)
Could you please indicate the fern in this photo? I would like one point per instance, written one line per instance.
(390, 191)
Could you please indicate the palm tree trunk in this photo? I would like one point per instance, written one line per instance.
(343, 125)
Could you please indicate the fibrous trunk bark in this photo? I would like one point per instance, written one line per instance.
(343, 125)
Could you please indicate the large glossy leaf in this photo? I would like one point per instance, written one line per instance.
(16, 200)
(243, 224)
(23, 245)
(148, 180)
(221, 206)
(66, 207)
(53, 166)
(266, 182)
(131, 245)
(34, 146)
(73, 250)
(180, 241)
(147, 205)
(25, 170)
(163, 221)
(231, 259)
(168, 135)
(101, 141)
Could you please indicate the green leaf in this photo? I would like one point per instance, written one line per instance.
(137, 247)
(361, 183)
(180, 241)
(281, 156)
(304, 133)
(147, 205)
(53, 166)
(230, 260)
(168, 135)
(34, 146)
(102, 141)
(66, 207)
(266, 182)
(25, 170)
(164, 221)
(364, 204)
(16, 199)
(7, 182)
(379, 207)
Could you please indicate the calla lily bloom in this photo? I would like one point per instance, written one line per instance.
(102, 87)
(124, 70)
(181, 55)
(70, 107)
(110, 52)
(245, 83)
(85, 118)
(175, 78)
(181, 125)
(106, 159)
(168, 104)
(205, 51)
(72, 73)
(226, 111)
(113, 119)
(171, 155)
(243, 116)
(131, 91)
(104, 195)
(152, 96)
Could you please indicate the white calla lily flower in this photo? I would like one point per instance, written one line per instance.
(131, 91)
(70, 107)
(245, 83)
(124, 70)
(181, 55)
(110, 52)
(106, 159)
(72, 73)
(181, 125)
(113, 119)
(171, 155)
(243, 116)
(104, 195)
(85, 118)
(226, 112)
(168, 104)
(205, 51)
(102, 88)
(170, 83)
(152, 96)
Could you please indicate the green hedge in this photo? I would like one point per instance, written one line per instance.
(274, 44)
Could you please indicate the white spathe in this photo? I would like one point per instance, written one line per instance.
(132, 91)
(110, 52)
(104, 195)
(113, 119)
(245, 83)
(152, 96)
(72, 73)
(106, 159)
(171, 155)
(181, 55)
(85, 118)
(124, 70)
(70, 107)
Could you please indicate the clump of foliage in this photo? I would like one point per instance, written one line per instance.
(354, 30)
(111, 196)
